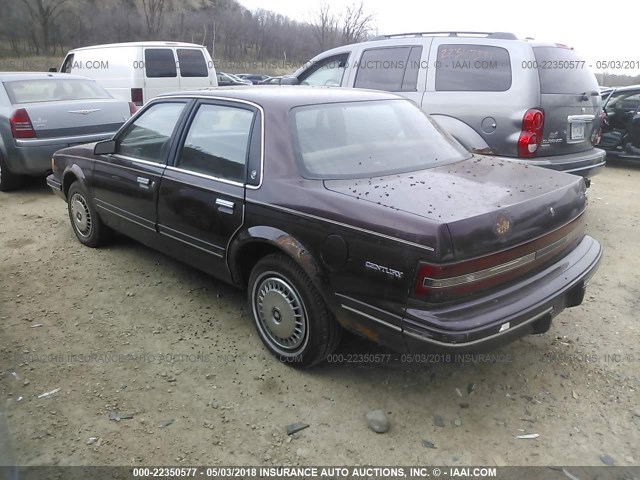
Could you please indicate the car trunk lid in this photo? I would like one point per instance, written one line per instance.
(487, 203)
(76, 117)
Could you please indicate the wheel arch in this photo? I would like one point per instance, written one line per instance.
(257, 242)
(461, 131)
(71, 174)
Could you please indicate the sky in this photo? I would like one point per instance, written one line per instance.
(579, 24)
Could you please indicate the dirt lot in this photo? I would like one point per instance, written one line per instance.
(125, 329)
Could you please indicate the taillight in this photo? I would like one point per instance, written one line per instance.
(21, 126)
(442, 282)
(136, 96)
(531, 134)
(132, 108)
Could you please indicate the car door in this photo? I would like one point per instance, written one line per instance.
(125, 184)
(193, 67)
(160, 72)
(201, 199)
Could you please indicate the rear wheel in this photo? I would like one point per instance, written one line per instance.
(8, 180)
(289, 313)
(84, 219)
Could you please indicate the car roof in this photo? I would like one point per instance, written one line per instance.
(138, 44)
(13, 76)
(288, 96)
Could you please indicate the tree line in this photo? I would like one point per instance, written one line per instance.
(229, 30)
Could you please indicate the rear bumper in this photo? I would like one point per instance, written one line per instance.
(585, 164)
(33, 156)
(483, 323)
(508, 314)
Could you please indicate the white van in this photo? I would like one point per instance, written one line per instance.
(139, 71)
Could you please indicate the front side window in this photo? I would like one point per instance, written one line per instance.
(149, 136)
(392, 69)
(328, 71)
(218, 142)
(473, 68)
(53, 90)
(66, 65)
(192, 63)
(160, 63)
(366, 139)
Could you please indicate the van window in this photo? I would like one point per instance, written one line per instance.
(192, 63)
(469, 68)
(66, 65)
(159, 63)
(392, 69)
(328, 71)
(562, 71)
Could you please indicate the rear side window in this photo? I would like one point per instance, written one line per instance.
(159, 63)
(53, 90)
(473, 68)
(391, 69)
(562, 71)
(192, 63)
(218, 142)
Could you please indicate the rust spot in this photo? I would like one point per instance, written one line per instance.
(350, 323)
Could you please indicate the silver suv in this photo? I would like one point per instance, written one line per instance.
(536, 102)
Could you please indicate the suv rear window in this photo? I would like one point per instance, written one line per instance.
(561, 70)
(192, 63)
(392, 69)
(159, 63)
(473, 68)
(366, 139)
(53, 90)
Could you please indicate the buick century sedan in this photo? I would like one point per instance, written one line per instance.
(338, 209)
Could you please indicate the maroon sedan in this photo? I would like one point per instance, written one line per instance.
(338, 209)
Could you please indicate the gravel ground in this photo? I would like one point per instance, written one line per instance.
(124, 331)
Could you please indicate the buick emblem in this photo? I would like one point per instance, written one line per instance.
(552, 211)
(85, 112)
(503, 226)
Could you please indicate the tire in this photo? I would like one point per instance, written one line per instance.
(85, 222)
(289, 313)
(8, 181)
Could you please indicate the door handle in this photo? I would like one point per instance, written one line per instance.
(225, 204)
(143, 182)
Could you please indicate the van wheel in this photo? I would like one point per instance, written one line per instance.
(289, 313)
(86, 223)
(8, 181)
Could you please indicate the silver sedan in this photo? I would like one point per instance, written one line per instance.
(41, 113)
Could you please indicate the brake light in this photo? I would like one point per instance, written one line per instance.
(21, 126)
(442, 282)
(531, 134)
(132, 108)
(136, 96)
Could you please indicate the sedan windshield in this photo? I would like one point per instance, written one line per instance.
(53, 90)
(368, 139)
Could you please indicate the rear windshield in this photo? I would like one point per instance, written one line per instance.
(561, 70)
(53, 90)
(367, 139)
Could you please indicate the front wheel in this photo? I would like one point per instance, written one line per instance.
(289, 313)
(84, 219)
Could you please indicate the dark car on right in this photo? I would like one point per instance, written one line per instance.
(621, 123)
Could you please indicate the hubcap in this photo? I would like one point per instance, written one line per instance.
(80, 215)
(280, 313)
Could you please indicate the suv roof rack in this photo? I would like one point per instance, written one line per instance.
(500, 35)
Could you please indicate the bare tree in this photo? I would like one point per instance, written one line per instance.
(153, 12)
(44, 14)
(356, 24)
(325, 27)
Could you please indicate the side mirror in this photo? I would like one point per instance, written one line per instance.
(289, 80)
(105, 147)
(53, 69)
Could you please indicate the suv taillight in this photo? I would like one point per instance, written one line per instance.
(132, 108)
(21, 126)
(136, 96)
(531, 134)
